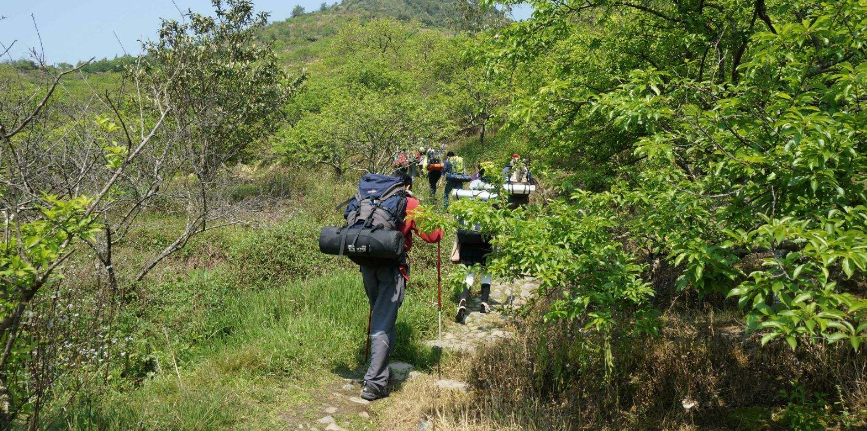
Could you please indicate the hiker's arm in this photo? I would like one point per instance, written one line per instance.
(431, 237)
(435, 236)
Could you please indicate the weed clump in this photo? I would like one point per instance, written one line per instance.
(287, 251)
(696, 373)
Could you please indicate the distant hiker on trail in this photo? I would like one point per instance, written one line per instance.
(433, 164)
(415, 164)
(473, 249)
(384, 280)
(455, 175)
(401, 161)
(517, 174)
(517, 171)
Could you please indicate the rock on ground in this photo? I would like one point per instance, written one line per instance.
(359, 401)
(453, 385)
(399, 370)
(326, 420)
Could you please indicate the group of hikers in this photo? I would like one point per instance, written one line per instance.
(378, 236)
(430, 162)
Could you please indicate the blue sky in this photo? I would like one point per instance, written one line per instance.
(74, 30)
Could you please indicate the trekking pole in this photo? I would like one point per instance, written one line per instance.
(439, 308)
(367, 347)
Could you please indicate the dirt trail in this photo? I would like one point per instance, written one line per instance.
(337, 407)
(479, 328)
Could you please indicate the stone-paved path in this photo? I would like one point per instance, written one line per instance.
(480, 328)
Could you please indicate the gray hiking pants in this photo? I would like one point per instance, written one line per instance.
(385, 287)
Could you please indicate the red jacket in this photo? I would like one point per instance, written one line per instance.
(408, 227)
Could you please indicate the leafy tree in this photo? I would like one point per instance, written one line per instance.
(226, 91)
(721, 133)
(475, 15)
(206, 93)
(297, 11)
(474, 95)
(374, 93)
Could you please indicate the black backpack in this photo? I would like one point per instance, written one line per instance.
(371, 236)
(379, 203)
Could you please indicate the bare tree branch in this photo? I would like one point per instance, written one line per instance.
(7, 135)
(7, 48)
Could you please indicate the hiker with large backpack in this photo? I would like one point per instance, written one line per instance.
(519, 181)
(401, 161)
(433, 164)
(455, 173)
(517, 171)
(472, 249)
(377, 237)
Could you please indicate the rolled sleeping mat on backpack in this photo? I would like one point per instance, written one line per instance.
(481, 185)
(458, 178)
(482, 195)
(519, 189)
(435, 167)
(361, 242)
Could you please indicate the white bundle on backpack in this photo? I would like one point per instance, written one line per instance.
(519, 189)
(482, 195)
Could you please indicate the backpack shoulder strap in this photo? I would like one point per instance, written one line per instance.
(343, 204)
(400, 214)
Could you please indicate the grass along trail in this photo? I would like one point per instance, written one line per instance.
(416, 394)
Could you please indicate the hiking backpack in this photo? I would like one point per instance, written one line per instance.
(458, 170)
(519, 172)
(374, 215)
(379, 202)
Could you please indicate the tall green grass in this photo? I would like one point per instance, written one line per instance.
(253, 354)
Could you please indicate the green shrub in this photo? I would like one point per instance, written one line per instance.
(284, 252)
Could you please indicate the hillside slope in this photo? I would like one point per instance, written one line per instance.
(302, 38)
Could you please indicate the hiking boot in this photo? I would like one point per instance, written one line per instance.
(462, 312)
(370, 393)
(485, 308)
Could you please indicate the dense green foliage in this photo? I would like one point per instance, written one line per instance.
(381, 86)
(719, 132)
